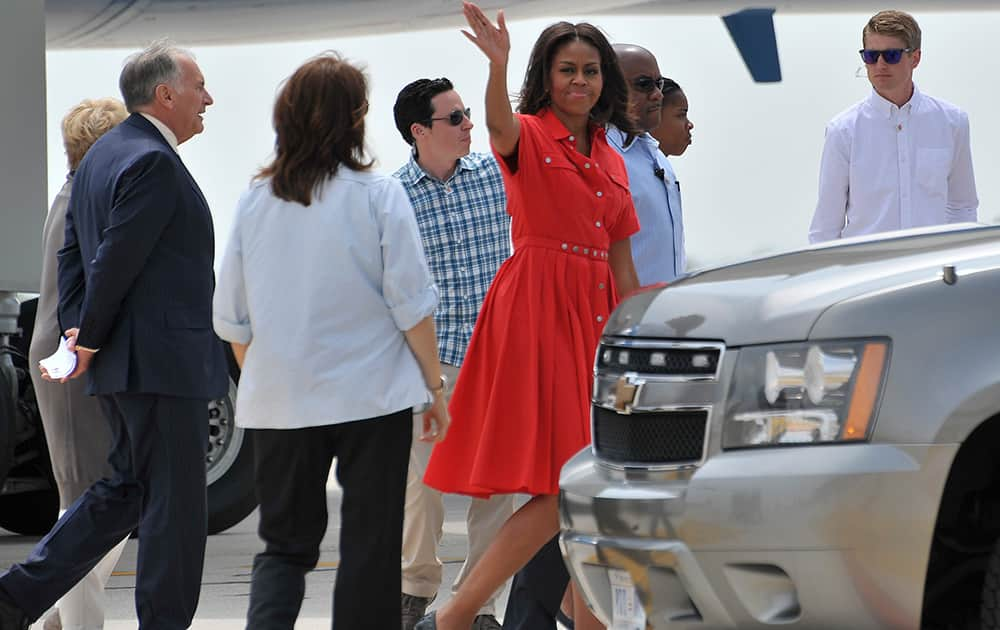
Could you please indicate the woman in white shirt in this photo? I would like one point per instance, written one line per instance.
(326, 298)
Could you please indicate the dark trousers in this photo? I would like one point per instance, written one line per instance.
(158, 458)
(537, 590)
(291, 470)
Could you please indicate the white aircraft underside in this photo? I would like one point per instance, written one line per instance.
(125, 23)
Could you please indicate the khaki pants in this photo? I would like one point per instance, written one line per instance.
(424, 520)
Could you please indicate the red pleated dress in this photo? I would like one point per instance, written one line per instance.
(521, 405)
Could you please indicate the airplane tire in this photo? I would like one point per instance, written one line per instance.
(232, 497)
(231, 492)
(8, 413)
(29, 513)
(34, 512)
(989, 609)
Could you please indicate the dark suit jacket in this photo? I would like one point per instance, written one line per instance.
(135, 273)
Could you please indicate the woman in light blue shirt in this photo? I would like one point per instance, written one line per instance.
(326, 298)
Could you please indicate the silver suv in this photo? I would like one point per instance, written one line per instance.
(810, 440)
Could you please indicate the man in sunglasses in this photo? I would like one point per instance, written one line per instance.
(658, 247)
(900, 158)
(461, 212)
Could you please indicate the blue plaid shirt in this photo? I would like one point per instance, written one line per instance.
(466, 233)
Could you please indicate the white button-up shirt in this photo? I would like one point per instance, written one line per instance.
(891, 168)
(164, 130)
(658, 246)
(322, 295)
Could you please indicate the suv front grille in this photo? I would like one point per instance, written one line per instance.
(659, 437)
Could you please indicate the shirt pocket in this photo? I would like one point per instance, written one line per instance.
(932, 170)
(557, 163)
(620, 180)
(558, 182)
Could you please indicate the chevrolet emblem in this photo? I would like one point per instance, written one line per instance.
(626, 390)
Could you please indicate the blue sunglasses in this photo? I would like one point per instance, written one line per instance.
(891, 55)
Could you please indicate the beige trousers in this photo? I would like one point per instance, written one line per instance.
(424, 521)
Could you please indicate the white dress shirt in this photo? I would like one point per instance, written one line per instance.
(890, 168)
(322, 295)
(164, 130)
(658, 246)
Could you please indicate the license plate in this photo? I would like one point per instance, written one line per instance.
(627, 612)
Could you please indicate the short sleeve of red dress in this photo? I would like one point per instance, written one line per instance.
(527, 145)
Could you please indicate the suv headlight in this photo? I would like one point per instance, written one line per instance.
(808, 393)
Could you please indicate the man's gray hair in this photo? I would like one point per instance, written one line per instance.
(146, 69)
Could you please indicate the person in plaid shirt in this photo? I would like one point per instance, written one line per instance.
(461, 212)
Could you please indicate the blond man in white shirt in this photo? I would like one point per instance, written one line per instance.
(899, 158)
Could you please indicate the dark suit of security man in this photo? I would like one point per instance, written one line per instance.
(135, 285)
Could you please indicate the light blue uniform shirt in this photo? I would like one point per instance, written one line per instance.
(323, 294)
(658, 246)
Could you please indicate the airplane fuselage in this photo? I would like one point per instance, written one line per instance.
(126, 23)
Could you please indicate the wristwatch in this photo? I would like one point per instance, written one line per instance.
(440, 388)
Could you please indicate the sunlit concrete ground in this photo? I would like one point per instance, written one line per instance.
(226, 581)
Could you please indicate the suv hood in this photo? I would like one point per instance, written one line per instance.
(779, 298)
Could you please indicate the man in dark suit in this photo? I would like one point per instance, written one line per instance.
(135, 285)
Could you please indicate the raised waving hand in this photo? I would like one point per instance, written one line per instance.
(494, 41)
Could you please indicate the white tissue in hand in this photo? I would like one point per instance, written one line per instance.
(62, 363)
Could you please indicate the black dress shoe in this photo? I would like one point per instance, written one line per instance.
(414, 608)
(12, 617)
(429, 622)
(486, 622)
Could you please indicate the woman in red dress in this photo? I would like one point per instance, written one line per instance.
(521, 406)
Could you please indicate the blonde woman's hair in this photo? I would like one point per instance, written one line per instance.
(87, 122)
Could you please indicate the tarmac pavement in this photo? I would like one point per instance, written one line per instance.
(226, 581)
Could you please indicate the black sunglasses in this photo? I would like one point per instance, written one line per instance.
(891, 55)
(648, 84)
(455, 118)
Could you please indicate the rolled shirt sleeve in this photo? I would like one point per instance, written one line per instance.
(407, 285)
(230, 312)
(963, 202)
(834, 177)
